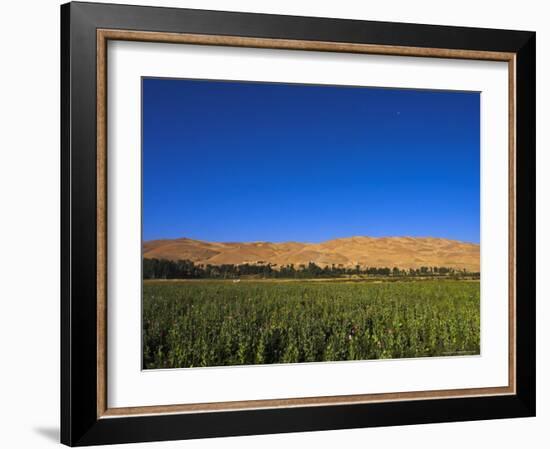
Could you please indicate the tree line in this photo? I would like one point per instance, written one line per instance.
(187, 269)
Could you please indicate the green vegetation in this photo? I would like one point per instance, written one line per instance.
(214, 323)
(186, 269)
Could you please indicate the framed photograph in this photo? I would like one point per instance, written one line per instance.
(280, 224)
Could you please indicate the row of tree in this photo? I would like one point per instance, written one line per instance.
(186, 269)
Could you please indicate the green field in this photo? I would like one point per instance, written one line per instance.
(216, 323)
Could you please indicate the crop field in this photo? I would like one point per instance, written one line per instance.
(216, 323)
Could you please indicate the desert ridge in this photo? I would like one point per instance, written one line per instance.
(401, 252)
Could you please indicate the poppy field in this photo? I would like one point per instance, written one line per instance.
(220, 323)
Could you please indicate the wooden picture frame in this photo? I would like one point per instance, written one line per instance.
(85, 418)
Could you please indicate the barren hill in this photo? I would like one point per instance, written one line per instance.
(402, 252)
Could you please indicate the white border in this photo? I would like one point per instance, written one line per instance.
(129, 386)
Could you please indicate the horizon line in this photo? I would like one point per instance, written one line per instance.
(311, 242)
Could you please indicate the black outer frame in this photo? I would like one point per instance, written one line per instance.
(79, 423)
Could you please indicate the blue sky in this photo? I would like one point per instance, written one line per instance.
(241, 161)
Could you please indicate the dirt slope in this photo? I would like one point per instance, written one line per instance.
(402, 252)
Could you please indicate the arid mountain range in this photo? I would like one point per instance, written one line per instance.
(401, 252)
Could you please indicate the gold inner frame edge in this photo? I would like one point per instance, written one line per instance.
(104, 35)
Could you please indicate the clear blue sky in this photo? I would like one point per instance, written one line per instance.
(241, 161)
